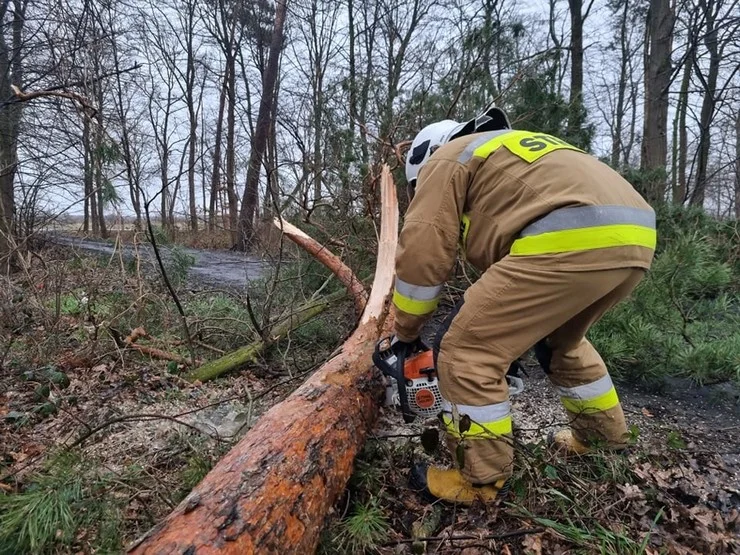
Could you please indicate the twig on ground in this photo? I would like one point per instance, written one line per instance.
(513, 534)
(130, 343)
(144, 416)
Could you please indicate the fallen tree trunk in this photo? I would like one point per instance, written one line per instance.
(251, 353)
(271, 493)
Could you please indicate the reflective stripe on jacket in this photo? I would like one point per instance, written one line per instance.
(514, 193)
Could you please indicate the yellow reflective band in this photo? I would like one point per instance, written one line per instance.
(413, 306)
(464, 230)
(485, 430)
(526, 145)
(585, 239)
(598, 404)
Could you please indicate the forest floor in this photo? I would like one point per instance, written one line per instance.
(122, 438)
(676, 490)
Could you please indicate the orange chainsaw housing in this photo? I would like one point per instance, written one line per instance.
(414, 366)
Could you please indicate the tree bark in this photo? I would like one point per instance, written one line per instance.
(98, 158)
(216, 174)
(11, 73)
(737, 163)
(681, 152)
(190, 76)
(659, 29)
(575, 117)
(230, 144)
(262, 131)
(274, 489)
(617, 130)
(708, 102)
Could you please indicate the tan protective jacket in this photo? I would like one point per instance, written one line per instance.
(520, 194)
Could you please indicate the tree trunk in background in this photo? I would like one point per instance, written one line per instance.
(262, 132)
(708, 103)
(190, 75)
(87, 173)
(272, 202)
(11, 73)
(681, 152)
(658, 43)
(216, 175)
(230, 144)
(98, 158)
(616, 152)
(132, 176)
(92, 222)
(576, 115)
(737, 163)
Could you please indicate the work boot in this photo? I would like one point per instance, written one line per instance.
(565, 442)
(437, 484)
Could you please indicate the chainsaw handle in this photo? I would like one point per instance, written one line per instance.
(401, 350)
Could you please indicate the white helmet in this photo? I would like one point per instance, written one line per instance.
(435, 135)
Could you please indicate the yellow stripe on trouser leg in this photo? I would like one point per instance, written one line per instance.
(486, 422)
(586, 238)
(485, 430)
(588, 398)
(414, 306)
(588, 406)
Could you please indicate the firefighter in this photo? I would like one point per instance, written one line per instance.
(559, 238)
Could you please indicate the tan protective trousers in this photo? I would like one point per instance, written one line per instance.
(515, 304)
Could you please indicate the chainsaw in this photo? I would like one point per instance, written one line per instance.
(412, 383)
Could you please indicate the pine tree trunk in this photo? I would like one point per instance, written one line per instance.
(272, 492)
(262, 132)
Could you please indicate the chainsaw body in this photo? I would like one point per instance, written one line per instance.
(412, 381)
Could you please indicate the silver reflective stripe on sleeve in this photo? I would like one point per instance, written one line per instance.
(587, 391)
(480, 414)
(417, 292)
(467, 154)
(590, 216)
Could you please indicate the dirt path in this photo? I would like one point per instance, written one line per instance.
(211, 267)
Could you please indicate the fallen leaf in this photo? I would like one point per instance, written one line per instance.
(647, 413)
(533, 544)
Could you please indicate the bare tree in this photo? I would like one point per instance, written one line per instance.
(717, 35)
(737, 163)
(262, 131)
(12, 19)
(577, 116)
(658, 44)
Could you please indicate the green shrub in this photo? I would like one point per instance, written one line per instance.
(61, 501)
(684, 318)
(179, 265)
